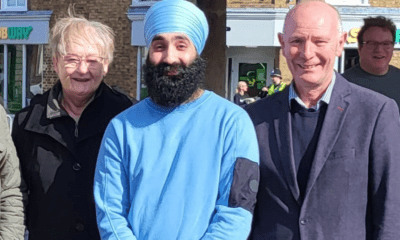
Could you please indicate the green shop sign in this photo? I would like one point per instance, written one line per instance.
(15, 32)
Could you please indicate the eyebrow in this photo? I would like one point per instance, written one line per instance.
(178, 37)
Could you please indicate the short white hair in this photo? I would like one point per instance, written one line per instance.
(77, 27)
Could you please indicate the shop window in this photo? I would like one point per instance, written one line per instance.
(14, 5)
(351, 58)
(24, 67)
(14, 86)
(142, 92)
(348, 2)
(254, 75)
(34, 71)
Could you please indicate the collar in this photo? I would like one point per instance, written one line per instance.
(54, 109)
(326, 97)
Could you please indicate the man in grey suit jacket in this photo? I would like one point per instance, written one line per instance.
(330, 150)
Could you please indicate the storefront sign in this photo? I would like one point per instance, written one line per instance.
(353, 33)
(15, 32)
(352, 37)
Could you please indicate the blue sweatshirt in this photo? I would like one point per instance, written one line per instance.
(186, 173)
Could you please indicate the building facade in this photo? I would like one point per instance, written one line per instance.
(242, 45)
(24, 36)
(29, 67)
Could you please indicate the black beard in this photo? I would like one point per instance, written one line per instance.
(171, 91)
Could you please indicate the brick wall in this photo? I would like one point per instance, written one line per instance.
(122, 71)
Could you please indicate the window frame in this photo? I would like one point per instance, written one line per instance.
(5, 8)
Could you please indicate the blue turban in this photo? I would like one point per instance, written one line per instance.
(177, 16)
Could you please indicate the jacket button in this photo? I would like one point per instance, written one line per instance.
(76, 167)
(80, 227)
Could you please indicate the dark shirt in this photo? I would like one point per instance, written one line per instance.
(239, 99)
(388, 84)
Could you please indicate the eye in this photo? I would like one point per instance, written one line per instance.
(320, 42)
(157, 46)
(295, 41)
(181, 46)
(71, 59)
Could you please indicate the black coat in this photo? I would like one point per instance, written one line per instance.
(58, 159)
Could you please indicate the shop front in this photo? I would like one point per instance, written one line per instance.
(252, 41)
(22, 36)
(252, 47)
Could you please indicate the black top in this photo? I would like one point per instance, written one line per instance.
(306, 127)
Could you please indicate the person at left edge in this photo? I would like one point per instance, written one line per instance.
(182, 163)
(58, 136)
(11, 186)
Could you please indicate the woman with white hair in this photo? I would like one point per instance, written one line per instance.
(58, 136)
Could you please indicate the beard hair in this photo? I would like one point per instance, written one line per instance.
(171, 91)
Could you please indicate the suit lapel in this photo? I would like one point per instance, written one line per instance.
(283, 134)
(333, 122)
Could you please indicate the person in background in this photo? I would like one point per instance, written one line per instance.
(12, 224)
(329, 149)
(58, 136)
(183, 162)
(241, 94)
(264, 92)
(375, 48)
(277, 85)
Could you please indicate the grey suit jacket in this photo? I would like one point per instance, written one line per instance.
(353, 190)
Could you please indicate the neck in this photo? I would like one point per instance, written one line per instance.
(75, 105)
(310, 95)
(374, 71)
(197, 94)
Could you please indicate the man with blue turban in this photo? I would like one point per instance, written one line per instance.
(182, 163)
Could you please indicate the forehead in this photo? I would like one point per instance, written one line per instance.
(82, 48)
(317, 18)
(377, 34)
(83, 40)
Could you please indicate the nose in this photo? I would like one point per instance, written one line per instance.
(83, 67)
(170, 56)
(379, 47)
(307, 50)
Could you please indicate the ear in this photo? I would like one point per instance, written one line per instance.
(105, 67)
(282, 42)
(341, 41)
(55, 64)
